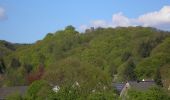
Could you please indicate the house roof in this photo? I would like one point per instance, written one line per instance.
(5, 91)
(119, 86)
(141, 85)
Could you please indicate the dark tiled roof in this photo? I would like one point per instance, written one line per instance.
(141, 85)
(119, 86)
(5, 91)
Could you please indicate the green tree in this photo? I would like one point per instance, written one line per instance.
(158, 78)
(154, 93)
(126, 71)
(104, 95)
(15, 78)
(34, 88)
(15, 63)
(2, 66)
(70, 28)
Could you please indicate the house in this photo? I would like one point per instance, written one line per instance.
(122, 88)
(119, 86)
(5, 91)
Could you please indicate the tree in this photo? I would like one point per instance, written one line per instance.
(154, 93)
(70, 28)
(144, 49)
(71, 70)
(69, 92)
(126, 55)
(37, 75)
(49, 35)
(104, 95)
(35, 88)
(130, 70)
(15, 63)
(2, 66)
(15, 78)
(158, 78)
(126, 72)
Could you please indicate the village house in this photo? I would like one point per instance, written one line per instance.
(122, 88)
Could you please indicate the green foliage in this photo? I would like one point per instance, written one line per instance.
(46, 93)
(146, 46)
(135, 95)
(7, 45)
(71, 70)
(109, 95)
(159, 57)
(126, 55)
(144, 49)
(154, 93)
(15, 96)
(40, 90)
(15, 78)
(126, 71)
(68, 92)
(15, 63)
(70, 28)
(91, 59)
(106, 49)
(35, 88)
(165, 75)
(158, 78)
(2, 66)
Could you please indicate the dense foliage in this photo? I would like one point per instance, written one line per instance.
(93, 59)
(154, 93)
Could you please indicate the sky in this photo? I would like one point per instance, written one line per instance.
(26, 21)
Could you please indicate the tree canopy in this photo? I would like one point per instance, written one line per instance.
(92, 59)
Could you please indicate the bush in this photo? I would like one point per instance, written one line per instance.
(36, 88)
(15, 96)
(154, 93)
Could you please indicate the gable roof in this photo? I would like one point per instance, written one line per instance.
(141, 85)
(119, 86)
(5, 91)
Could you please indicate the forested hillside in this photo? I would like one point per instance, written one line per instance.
(101, 55)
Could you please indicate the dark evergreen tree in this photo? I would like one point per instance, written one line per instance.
(158, 78)
(2, 66)
(129, 71)
(15, 63)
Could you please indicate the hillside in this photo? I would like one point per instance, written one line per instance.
(99, 55)
(6, 48)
